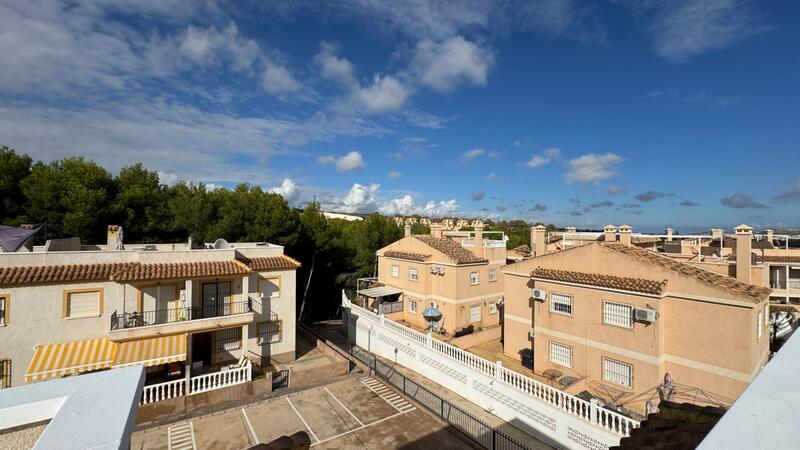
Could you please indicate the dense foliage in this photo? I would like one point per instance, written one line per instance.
(76, 197)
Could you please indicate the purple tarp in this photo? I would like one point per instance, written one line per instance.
(12, 238)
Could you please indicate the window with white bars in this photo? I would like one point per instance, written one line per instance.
(412, 306)
(5, 373)
(473, 278)
(561, 354)
(228, 340)
(475, 313)
(270, 332)
(561, 304)
(83, 304)
(413, 275)
(618, 314)
(492, 274)
(617, 372)
(395, 271)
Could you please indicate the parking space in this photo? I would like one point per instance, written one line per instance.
(348, 414)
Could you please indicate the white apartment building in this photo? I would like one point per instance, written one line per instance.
(180, 312)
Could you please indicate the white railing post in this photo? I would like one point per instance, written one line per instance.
(595, 417)
(498, 369)
(249, 371)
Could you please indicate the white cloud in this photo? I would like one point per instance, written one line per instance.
(616, 190)
(687, 28)
(592, 168)
(359, 198)
(333, 67)
(406, 205)
(277, 80)
(549, 154)
(395, 174)
(288, 190)
(472, 154)
(491, 176)
(385, 94)
(345, 163)
(444, 65)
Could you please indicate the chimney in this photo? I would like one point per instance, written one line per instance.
(717, 232)
(572, 230)
(538, 246)
(744, 247)
(479, 237)
(625, 235)
(769, 236)
(669, 234)
(114, 238)
(436, 230)
(407, 229)
(610, 233)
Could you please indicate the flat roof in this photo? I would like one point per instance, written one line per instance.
(382, 291)
(768, 411)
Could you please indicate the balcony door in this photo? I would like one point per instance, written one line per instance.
(159, 304)
(216, 299)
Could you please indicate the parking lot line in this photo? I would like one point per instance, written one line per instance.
(358, 429)
(342, 405)
(254, 440)
(397, 401)
(302, 420)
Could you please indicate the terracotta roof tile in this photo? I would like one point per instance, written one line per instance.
(451, 248)
(524, 249)
(772, 258)
(175, 270)
(756, 293)
(19, 276)
(281, 262)
(607, 281)
(405, 255)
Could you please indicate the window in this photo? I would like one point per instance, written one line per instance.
(617, 372)
(412, 274)
(475, 313)
(270, 287)
(412, 306)
(561, 354)
(216, 299)
(618, 314)
(395, 271)
(270, 332)
(5, 373)
(83, 303)
(492, 275)
(474, 278)
(5, 310)
(228, 340)
(758, 324)
(492, 308)
(561, 304)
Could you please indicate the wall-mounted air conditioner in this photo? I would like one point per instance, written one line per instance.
(645, 314)
(539, 294)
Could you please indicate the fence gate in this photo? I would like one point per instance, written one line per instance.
(280, 379)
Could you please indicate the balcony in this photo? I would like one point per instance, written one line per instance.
(793, 283)
(139, 324)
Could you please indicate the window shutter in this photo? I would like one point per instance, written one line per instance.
(83, 304)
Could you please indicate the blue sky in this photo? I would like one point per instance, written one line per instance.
(569, 112)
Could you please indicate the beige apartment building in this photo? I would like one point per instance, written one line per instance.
(616, 319)
(456, 272)
(180, 312)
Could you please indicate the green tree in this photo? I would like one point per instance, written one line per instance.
(141, 205)
(192, 211)
(13, 169)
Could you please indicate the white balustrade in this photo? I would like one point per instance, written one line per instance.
(162, 391)
(577, 407)
(221, 379)
(794, 283)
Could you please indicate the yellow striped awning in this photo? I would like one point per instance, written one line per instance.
(70, 358)
(152, 351)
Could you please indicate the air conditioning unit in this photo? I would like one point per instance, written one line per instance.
(539, 294)
(645, 314)
(434, 270)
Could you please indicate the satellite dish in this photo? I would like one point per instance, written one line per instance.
(221, 244)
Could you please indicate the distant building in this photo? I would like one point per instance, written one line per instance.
(458, 273)
(177, 311)
(348, 217)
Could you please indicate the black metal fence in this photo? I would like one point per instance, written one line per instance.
(161, 316)
(474, 428)
(280, 379)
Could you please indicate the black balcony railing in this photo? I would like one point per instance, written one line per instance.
(161, 316)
